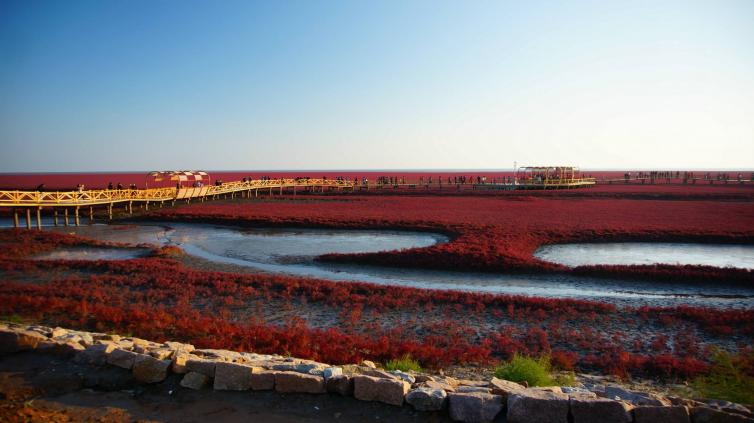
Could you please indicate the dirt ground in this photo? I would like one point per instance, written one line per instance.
(36, 387)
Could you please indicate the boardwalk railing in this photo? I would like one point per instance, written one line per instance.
(105, 196)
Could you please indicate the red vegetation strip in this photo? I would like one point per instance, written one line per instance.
(159, 298)
(500, 234)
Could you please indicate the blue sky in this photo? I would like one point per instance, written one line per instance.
(140, 85)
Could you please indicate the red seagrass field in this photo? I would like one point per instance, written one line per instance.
(170, 295)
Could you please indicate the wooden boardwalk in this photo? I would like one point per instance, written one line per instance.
(75, 200)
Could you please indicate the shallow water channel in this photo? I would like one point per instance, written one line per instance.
(625, 253)
(292, 252)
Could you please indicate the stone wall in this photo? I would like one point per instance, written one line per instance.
(463, 400)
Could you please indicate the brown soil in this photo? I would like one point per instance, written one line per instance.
(36, 387)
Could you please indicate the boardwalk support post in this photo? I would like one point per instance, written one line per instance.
(76, 214)
(65, 216)
(28, 218)
(55, 217)
(15, 218)
(39, 218)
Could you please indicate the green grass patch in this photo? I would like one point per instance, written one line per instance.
(729, 379)
(534, 371)
(403, 364)
(13, 318)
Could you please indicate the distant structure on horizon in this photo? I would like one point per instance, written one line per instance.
(551, 177)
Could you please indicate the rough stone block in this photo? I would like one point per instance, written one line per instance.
(669, 414)
(586, 409)
(504, 387)
(19, 340)
(533, 406)
(634, 397)
(95, 354)
(711, 415)
(147, 369)
(122, 358)
(178, 365)
(263, 380)
(232, 376)
(332, 372)
(288, 382)
(390, 391)
(194, 380)
(427, 399)
(474, 406)
(201, 365)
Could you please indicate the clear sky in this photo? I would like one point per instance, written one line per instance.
(158, 84)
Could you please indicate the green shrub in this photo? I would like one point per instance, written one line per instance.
(565, 379)
(727, 380)
(534, 371)
(13, 318)
(403, 364)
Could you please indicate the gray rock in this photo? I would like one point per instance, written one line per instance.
(711, 415)
(583, 392)
(533, 406)
(94, 355)
(58, 332)
(147, 369)
(232, 376)
(467, 389)
(179, 362)
(474, 406)
(263, 380)
(368, 363)
(438, 384)
(634, 397)
(305, 368)
(341, 384)
(332, 372)
(404, 376)
(379, 373)
(177, 346)
(122, 358)
(194, 380)
(466, 382)
(421, 377)
(728, 407)
(106, 337)
(369, 388)
(587, 409)
(161, 353)
(219, 355)
(12, 340)
(653, 413)
(201, 365)
(427, 399)
(291, 382)
(504, 387)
